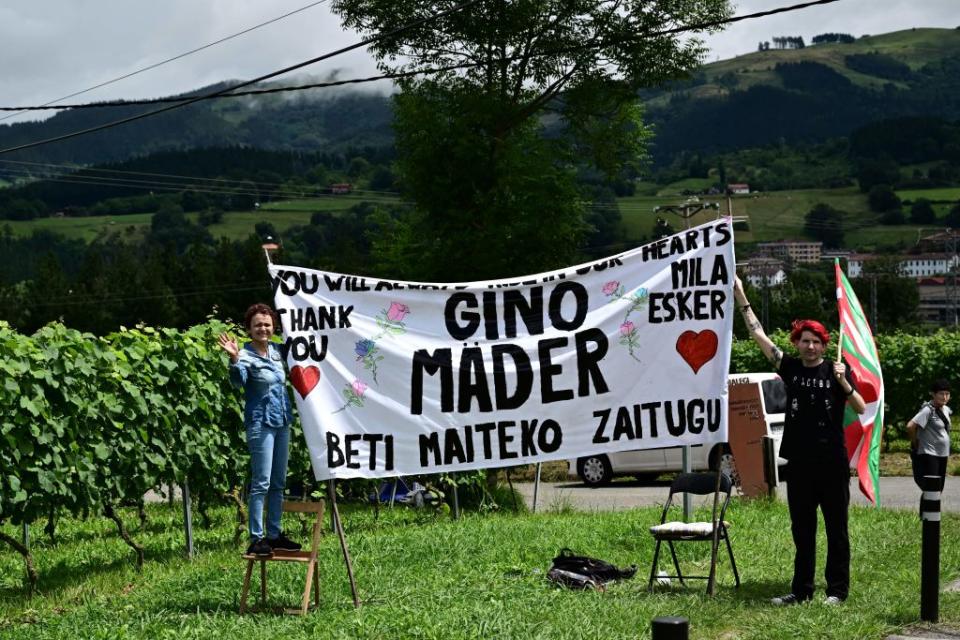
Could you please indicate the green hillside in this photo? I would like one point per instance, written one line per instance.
(914, 47)
(808, 95)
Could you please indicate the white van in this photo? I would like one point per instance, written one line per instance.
(647, 464)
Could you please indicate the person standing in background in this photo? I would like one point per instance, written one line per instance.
(929, 433)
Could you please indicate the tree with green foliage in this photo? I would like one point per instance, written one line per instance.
(495, 192)
(882, 198)
(874, 171)
(952, 219)
(921, 212)
(898, 297)
(825, 223)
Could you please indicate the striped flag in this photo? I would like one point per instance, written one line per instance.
(863, 432)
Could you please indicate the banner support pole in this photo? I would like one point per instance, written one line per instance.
(338, 527)
(536, 487)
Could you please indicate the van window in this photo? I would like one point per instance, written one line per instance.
(774, 395)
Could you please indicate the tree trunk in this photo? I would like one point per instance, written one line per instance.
(110, 513)
(27, 559)
(142, 514)
(204, 512)
(51, 528)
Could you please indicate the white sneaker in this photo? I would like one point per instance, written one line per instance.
(832, 600)
(783, 601)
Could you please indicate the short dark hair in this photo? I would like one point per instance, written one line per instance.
(814, 327)
(940, 384)
(260, 309)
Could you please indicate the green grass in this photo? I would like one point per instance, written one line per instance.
(948, 194)
(481, 577)
(779, 215)
(87, 229)
(236, 225)
(773, 215)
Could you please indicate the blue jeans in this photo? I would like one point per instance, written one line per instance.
(268, 448)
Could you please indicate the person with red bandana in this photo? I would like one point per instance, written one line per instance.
(818, 390)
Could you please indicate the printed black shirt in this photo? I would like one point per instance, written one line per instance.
(815, 406)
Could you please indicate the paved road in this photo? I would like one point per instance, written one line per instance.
(895, 493)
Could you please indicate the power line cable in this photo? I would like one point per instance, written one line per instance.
(229, 93)
(162, 62)
(243, 182)
(147, 184)
(273, 74)
(254, 92)
(260, 193)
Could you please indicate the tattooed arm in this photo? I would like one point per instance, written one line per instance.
(770, 350)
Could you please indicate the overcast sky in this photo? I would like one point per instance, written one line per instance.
(50, 48)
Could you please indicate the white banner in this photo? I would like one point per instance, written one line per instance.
(400, 378)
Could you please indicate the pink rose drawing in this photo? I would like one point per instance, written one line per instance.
(359, 387)
(352, 394)
(390, 320)
(397, 312)
(611, 287)
(630, 338)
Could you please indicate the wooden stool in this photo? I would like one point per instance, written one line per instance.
(307, 556)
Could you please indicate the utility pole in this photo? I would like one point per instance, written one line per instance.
(951, 280)
(686, 211)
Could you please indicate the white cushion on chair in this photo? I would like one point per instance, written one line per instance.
(685, 528)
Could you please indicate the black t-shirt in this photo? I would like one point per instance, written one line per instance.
(815, 406)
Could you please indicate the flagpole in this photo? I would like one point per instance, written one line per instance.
(840, 343)
(836, 264)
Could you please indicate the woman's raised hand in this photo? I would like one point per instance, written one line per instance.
(229, 345)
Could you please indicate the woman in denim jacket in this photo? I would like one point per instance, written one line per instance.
(257, 368)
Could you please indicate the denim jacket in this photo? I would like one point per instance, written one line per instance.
(263, 381)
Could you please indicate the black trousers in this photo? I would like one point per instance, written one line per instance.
(812, 485)
(927, 465)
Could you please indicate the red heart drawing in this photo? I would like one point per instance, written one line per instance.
(304, 379)
(697, 348)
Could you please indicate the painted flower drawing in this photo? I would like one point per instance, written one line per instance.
(369, 354)
(629, 338)
(390, 320)
(637, 300)
(612, 288)
(353, 394)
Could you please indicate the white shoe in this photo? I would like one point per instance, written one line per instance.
(832, 600)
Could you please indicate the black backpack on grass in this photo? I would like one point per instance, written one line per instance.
(581, 572)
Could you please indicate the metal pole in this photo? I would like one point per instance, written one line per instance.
(770, 465)
(670, 628)
(393, 494)
(687, 450)
(536, 487)
(456, 499)
(26, 536)
(187, 517)
(930, 557)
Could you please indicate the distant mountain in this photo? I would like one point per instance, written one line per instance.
(309, 121)
(810, 94)
(785, 96)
